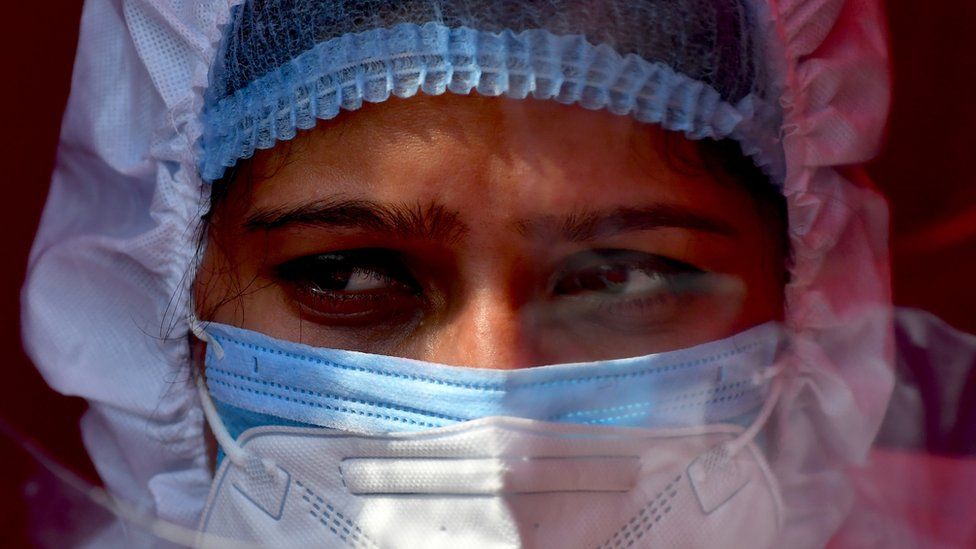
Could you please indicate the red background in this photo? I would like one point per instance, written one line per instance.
(926, 171)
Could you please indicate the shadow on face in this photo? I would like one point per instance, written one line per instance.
(488, 232)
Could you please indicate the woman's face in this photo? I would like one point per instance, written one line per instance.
(488, 233)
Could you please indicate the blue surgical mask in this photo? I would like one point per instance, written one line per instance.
(258, 380)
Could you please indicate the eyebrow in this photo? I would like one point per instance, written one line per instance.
(583, 226)
(435, 222)
(426, 221)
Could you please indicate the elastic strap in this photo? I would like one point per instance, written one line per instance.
(775, 391)
(237, 455)
(197, 329)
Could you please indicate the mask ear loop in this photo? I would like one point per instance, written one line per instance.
(241, 458)
(775, 391)
(197, 329)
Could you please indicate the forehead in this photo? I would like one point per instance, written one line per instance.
(521, 157)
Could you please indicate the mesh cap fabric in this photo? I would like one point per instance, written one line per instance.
(692, 66)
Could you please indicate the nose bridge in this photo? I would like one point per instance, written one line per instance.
(485, 332)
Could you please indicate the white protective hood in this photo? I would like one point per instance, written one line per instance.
(106, 297)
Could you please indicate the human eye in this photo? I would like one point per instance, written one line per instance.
(352, 287)
(615, 285)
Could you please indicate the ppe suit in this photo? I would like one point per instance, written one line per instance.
(158, 109)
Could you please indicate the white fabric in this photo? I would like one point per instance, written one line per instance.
(105, 299)
(462, 486)
(106, 296)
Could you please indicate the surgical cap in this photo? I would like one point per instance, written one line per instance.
(693, 66)
(165, 95)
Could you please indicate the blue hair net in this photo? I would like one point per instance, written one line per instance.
(692, 66)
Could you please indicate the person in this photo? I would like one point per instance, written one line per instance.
(464, 273)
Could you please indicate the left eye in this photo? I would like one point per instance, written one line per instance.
(619, 272)
(611, 279)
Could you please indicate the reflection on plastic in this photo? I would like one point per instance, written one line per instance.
(69, 511)
(904, 499)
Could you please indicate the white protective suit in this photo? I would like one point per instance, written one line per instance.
(105, 303)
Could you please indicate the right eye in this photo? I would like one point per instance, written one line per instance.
(359, 286)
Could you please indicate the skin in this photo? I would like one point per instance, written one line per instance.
(499, 212)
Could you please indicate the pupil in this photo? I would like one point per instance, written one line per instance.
(604, 278)
(616, 274)
(334, 277)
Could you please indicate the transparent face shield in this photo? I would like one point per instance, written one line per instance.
(461, 329)
(66, 508)
(489, 277)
